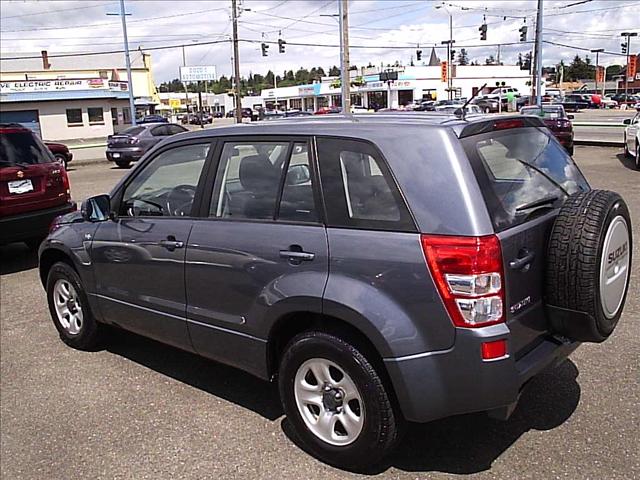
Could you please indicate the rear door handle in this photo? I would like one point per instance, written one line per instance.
(525, 257)
(171, 243)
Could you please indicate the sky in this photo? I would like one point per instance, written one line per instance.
(381, 31)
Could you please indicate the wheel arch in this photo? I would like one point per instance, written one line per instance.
(48, 258)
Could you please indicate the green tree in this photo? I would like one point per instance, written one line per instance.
(463, 57)
(334, 71)
(491, 60)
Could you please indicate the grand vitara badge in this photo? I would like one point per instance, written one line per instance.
(20, 174)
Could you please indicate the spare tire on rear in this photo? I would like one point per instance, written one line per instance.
(588, 265)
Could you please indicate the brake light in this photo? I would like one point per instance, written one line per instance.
(133, 140)
(493, 350)
(65, 182)
(469, 277)
(506, 124)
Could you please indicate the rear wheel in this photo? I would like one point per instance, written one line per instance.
(70, 310)
(627, 153)
(336, 401)
(123, 163)
(62, 159)
(588, 265)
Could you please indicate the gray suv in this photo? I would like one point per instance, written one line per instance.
(381, 268)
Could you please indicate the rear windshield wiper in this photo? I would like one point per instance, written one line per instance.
(542, 202)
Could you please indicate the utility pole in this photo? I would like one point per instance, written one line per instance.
(184, 84)
(132, 105)
(236, 61)
(628, 36)
(597, 51)
(344, 56)
(538, 75)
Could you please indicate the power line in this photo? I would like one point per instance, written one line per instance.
(4, 17)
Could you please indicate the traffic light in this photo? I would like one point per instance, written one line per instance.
(453, 55)
(483, 31)
(523, 33)
(623, 47)
(264, 47)
(418, 55)
(281, 44)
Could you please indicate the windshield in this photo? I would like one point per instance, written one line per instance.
(21, 148)
(518, 167)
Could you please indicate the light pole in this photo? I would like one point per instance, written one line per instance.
(343, 25)
(628, 36)
(538, 87)
(597, 51)
(132, 106)
(449, 44)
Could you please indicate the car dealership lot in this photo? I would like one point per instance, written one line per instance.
(143, 410)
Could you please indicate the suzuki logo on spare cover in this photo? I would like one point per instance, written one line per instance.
(617, 253)
(20, 174)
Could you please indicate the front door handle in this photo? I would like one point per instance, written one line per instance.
(296, 255)
(171, 243)
(525, 257)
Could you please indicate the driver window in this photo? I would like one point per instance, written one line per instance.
(167, 185)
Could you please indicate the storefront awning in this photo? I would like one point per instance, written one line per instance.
(62, 95)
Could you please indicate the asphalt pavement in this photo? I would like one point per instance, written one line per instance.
(142, 410)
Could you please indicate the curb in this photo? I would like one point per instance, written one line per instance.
(91, 145)
(88, 161)
(598, 124)
(599, 143)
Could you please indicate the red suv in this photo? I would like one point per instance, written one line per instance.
(34, 187)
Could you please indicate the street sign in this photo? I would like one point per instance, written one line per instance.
(199, 73)
(443, 71)
(174, 103)
(633, 67)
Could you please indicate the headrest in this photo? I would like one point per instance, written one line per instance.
(257, 174)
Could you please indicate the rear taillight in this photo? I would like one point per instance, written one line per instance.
(468, 274)
(133, 140)
(65, 182)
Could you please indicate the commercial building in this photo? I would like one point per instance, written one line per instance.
(181, 102)
(414, 83)
(70, 97)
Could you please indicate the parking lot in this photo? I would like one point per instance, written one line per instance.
(139, 409)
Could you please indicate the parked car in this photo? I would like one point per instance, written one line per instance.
(324, 254)
(487, 105)
(153, 119)
(130, 144)
(626, 98)
(608, 102)
(573, 102)
(632, 139)
(246, 113)
(498, 92)
(60, 152)
(34, 188)
(327, 110)
(457, 109)
(556, 120)
(287, 114)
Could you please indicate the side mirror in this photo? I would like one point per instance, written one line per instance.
(627, 121)
(571, 117)
(96, 209)
(298, 174)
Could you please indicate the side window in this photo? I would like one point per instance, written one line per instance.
(359, 190)
(248, 180)
(297, 202)
(167, 185)
(159, 131)
(173, 129)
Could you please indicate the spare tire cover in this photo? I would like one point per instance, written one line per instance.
(588, 265)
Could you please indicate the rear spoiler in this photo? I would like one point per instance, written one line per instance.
(494, 124)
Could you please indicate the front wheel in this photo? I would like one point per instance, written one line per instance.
(336, 401)
(70, 309)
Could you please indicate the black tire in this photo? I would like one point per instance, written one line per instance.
(382, 424)
(91, 332)
(577, 248)
(62, 159)
(123, 163)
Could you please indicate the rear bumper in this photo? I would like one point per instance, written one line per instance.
(126, 154)
(28, 225)
(449, 382)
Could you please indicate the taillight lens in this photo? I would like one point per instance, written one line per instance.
(468, 274)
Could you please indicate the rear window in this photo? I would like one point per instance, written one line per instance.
(20, 148)
(521, 170)
(133, 131)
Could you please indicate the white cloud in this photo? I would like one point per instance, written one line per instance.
(72, 26)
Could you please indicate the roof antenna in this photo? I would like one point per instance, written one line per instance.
(462, 112)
